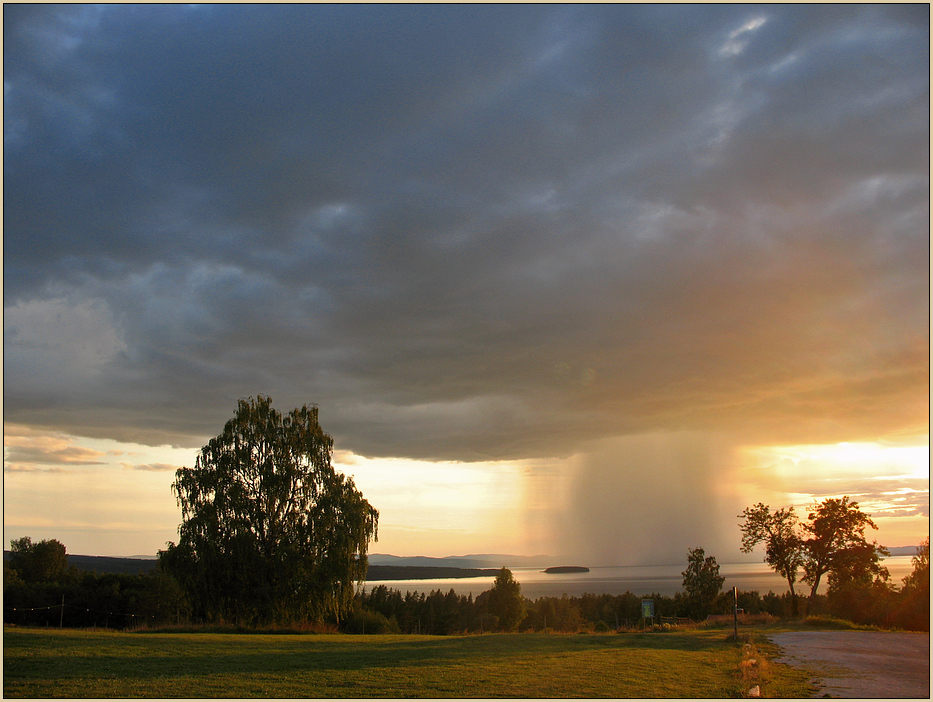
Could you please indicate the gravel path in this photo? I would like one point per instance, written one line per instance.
(861, 664)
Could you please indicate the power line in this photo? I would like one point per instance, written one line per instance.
(82, 609)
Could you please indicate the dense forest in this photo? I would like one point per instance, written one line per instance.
(64, 595)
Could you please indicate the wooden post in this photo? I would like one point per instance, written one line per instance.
(735, 611)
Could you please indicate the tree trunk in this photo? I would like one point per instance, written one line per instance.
(793, 597)
(812, 601)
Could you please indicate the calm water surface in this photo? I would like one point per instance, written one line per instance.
(616, 580)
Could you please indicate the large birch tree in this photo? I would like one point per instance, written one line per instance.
(270, 532)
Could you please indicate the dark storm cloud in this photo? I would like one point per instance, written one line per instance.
(468, 231)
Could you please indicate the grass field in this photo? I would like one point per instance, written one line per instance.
(46, 663)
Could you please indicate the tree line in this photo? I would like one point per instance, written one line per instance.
(41, 590)
(273, 535)
(384, 610)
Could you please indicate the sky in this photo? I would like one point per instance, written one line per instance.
(578, 280)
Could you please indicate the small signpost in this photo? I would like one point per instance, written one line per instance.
(647, 611)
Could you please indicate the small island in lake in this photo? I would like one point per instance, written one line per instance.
(567, 569)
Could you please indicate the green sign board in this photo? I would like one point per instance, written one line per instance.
(647, 609)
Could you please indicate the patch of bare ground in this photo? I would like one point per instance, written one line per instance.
(861, 664)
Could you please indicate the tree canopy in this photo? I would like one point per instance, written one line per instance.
(837, 545)
(43, 561)
(779, 532)
(831, 542)
(916, 590)
(702, 582)
(506, 601)
(919, 578)
(270, 531)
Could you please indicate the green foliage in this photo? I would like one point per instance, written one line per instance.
(862, 602)
(831, 543)
(778, 531)
(783, 605)
(824, 622)
(449, 613)
(439, 613)
(919, 579)
(506, 602)
(154, 600)
(11, 576)
(837, 546)
(270, 531)
(366, 621)
(45, 561)
(561, 614)
(702, 583)
(85, 599)
(864, 599)
(913, 610)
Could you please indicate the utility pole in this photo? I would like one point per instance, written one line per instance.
(61, 616)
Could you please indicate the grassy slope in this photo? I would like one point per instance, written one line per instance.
(69, 663)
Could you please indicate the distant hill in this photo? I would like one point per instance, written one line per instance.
(903, 550)
(389, 572)
(106, 564)
(480, 560)
(134, 565)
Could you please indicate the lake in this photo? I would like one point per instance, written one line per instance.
(616, 580)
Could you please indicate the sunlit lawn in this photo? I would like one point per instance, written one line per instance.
(71, 663)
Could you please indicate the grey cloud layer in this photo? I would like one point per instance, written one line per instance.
(469, 232)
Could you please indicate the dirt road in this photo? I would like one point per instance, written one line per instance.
(861, 664)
